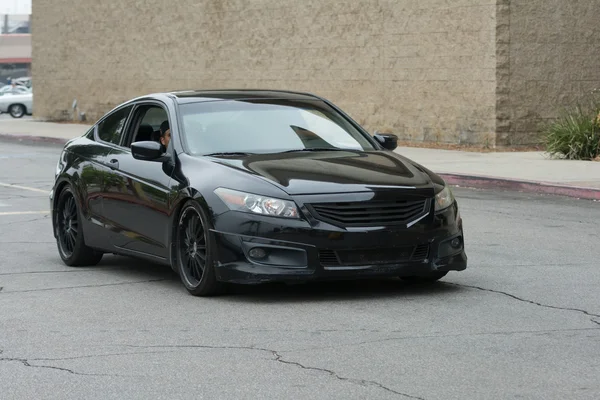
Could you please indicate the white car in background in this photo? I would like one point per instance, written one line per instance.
(17, 105)
(9, 89)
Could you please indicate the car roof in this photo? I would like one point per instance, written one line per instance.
(188, 96)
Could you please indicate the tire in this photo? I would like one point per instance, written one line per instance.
(17, 110)
(433, 277)
(69, 232)
(195, 252)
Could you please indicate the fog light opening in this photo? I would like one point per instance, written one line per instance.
(455, 243)
(258, 253)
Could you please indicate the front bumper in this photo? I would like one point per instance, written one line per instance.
(297, 252)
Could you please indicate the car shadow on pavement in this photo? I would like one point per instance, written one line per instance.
(350, 290)
(280, 292)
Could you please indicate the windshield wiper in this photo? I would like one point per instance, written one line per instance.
(318, 149)
(229, 153)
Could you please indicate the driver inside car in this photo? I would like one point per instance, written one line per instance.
(165, 135)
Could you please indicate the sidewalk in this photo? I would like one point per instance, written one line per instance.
(526, 171)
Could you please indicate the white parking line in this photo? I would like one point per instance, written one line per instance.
(10, 185)
(23, 212)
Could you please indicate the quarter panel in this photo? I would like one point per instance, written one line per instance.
(85, 172)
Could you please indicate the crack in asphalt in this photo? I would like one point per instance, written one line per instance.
(579, 310)
(26, 363)
(362, 382)
(86, 286)
(100, 355)
(279, 358)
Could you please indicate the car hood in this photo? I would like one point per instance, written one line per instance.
(331, 172)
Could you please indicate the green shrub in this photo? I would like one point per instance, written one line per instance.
(575, 135)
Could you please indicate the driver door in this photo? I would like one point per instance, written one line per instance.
(137, 199)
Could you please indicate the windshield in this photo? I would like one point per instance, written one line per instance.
(266, 126)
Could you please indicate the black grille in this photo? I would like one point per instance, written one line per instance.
(370, 213)
(373, 256)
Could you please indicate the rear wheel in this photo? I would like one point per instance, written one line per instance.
(16, 110)
(195, 261)
(69, 232)
(432, 277)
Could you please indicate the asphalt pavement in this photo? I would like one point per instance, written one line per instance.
(522, 322)
(7, 117)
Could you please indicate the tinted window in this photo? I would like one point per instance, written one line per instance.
(154, 117)
(111, 129)
(266, 127)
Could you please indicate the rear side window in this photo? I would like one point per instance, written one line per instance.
(111, 129)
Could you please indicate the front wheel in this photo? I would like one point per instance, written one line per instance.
(195, 260)
(69, 233)
(16, 111)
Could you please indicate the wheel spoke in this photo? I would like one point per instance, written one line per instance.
(69, 243)
(188, 232)
(193, 225)
(199, 232)
(194, 268)
(187, 263)
(199, 268)
(69, 207)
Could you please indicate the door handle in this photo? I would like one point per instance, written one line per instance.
(113, 164)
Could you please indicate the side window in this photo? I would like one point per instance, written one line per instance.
(111, 129)
(150, 120)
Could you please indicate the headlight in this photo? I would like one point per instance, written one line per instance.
(444, 199)
(248, 202)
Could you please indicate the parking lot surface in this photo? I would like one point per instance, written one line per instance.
(522, 322)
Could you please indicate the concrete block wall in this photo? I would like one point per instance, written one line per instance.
(548, 59)
(425, 69)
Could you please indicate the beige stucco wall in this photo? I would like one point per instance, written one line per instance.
(548, 59)
(425, 69)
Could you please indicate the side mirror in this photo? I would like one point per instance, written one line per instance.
(147, 151)
(387, 140)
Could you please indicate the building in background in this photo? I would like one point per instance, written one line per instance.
(476, 71)
(15, 39)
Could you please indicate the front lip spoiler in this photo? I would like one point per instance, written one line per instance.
(245, 273)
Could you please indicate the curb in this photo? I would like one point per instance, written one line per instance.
(488, 182)
(472, 181)
(33, 139)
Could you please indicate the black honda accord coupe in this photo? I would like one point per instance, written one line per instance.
(251, 186)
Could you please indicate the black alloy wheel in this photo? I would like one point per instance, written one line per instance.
(194, 252)
(69, 232)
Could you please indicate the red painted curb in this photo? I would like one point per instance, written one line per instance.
(488, 182)
(32, 139)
